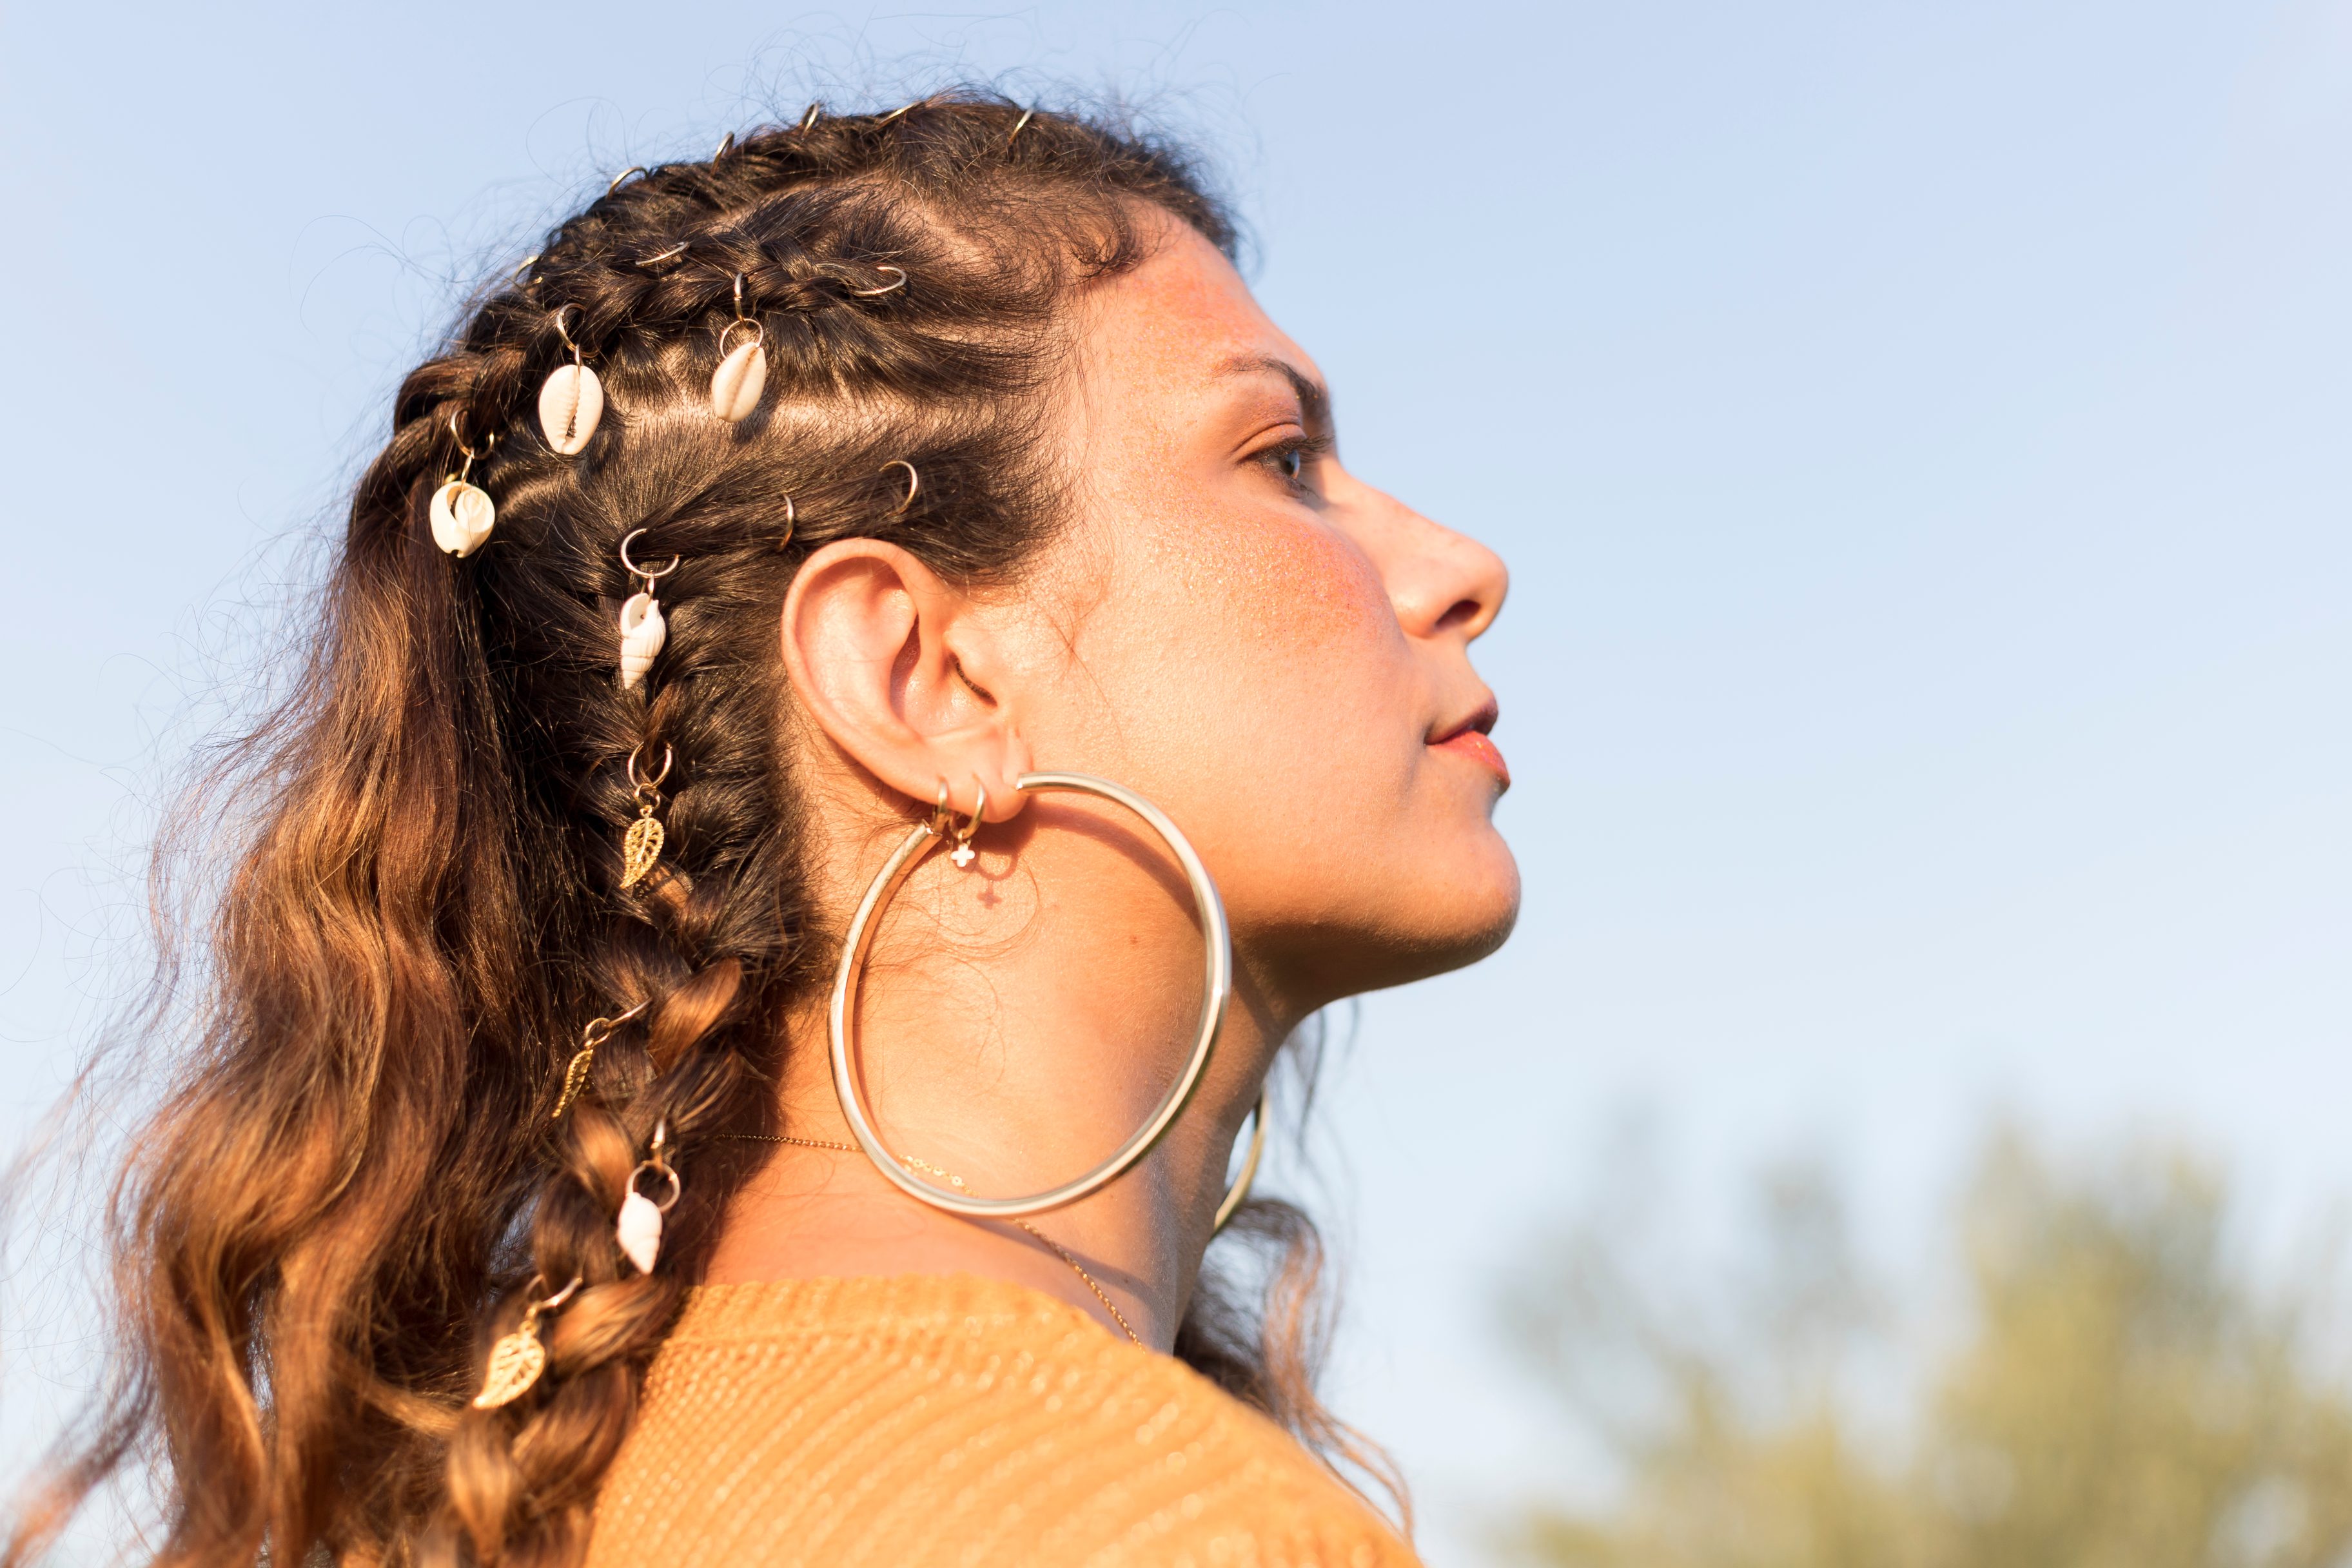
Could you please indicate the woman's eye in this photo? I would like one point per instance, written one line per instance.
(1291, 459)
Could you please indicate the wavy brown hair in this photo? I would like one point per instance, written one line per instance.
(356, 1178)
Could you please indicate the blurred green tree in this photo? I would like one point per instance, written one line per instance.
(2124, 1393)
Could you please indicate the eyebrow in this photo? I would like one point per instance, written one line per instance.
(1314, 401)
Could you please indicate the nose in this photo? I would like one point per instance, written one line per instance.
(1441, 583)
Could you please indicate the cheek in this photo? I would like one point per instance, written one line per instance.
(1293, 591)
(1269, 679)
(1294, 627)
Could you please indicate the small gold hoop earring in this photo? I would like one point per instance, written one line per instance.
(943, 819)
(1217, 981)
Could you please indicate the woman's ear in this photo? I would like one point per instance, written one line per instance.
(899, 669)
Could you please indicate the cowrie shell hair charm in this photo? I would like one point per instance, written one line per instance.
(570, 406)
(740, 378)
(571, 400)
(742, 372)
(461, 512)
(643, 632)
(462, 516)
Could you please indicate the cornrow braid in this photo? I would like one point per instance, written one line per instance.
(360, 1183)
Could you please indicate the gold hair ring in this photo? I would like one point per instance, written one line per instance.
(1026, 115)
(914, 483)
(641, 848)
(726, 146)
(892, 287)
(632, 169)
(517, 1358)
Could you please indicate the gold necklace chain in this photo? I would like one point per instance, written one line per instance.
(1056, 1248)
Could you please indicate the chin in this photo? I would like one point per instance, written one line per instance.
(1465, 920)
(1447, 917)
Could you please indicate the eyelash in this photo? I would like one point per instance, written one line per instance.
(1289, 459)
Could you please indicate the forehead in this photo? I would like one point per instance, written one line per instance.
(1183, 318)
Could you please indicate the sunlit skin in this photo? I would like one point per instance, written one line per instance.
(1276, 653)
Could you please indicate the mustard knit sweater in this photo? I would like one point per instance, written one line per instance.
(953, 1422)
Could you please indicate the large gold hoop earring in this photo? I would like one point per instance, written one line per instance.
(1217, 986)
(1238, 1193)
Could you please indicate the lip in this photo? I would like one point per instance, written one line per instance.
(1469, 739)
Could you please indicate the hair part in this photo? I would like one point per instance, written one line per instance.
(355, 1180)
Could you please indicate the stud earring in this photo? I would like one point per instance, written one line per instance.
(742, 372)
(571, 401)
(461, 512)
(643, 633)
(638, 1229)
(641, 848)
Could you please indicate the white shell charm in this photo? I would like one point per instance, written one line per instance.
(740, 378)
(462, 517)
(642, 633)
(569, 404)
(639, 1230)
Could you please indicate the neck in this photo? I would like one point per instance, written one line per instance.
(1013, 1040)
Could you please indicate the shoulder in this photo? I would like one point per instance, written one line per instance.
(916, 1421)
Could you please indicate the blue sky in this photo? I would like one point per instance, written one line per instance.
(1917, 431)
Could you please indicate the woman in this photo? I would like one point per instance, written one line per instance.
(778, 524)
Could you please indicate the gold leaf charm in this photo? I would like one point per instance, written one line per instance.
(515, 1361)
(575, 1078)
(641, 848)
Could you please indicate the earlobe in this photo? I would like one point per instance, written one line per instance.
(893, 665)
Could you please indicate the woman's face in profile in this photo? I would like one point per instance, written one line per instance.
(1272, 649)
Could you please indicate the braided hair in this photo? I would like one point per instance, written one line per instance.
(357, 1182)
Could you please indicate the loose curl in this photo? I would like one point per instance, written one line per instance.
(357, 1176)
